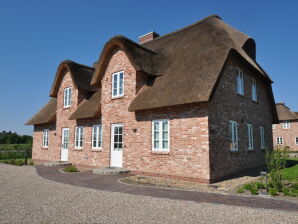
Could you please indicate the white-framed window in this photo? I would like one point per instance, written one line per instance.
(240, 82)
(296, 141)
(250, 137)
(160, 135)
(118, 84)
(254, 95)
(45, 138)
(286, 124)
(79, 136)
(262, 137)
(279, 141)
(273, 126)
(97, 136)
(67, 97)
(234, 136)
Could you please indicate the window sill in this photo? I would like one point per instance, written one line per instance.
(251, 150)
(64, 108)
(78, 149)
(45, 148)
(96, 149)
(235, 151)
(117, 97)
(160, 152)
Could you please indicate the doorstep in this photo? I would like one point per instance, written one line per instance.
(110, 170)
(58, 163)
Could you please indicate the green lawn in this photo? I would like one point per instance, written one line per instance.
(290, 173)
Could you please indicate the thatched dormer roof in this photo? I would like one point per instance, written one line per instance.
(284, 113)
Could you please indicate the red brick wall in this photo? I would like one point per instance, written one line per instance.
(289, 135)
(228, 105)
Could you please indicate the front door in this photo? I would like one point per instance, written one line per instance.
(64, 146)
(116, 145)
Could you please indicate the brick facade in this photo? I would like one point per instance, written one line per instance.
(289, 135)
(199, 133)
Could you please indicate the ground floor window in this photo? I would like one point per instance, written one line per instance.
(234, 136)
(279, 140)
(45, 138)
(160, 135)
(79, 137)
(296, 141)
(250, 137)
(262, 137)
(97, 136)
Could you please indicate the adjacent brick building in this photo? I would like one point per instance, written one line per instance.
(192, 104)
(286, 132)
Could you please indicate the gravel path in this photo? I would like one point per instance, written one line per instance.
(25, 197)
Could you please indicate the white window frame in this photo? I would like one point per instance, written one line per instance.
(118, 94)
(67, 97)
(97, 136)
(233, 127)
(273, 126)
(160, 140)
(250, 136)
(254, 95)
(296, 142)
(45, 138)
(262, 137)
(279, 140)
(79, 137)
(286, 125)
(240, 82)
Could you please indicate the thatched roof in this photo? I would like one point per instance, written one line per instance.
(141, 58)
(80, 74)
(47, 114)
(284, 113)
(191, 62)
(89, 108)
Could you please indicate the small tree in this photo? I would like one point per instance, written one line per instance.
(276, 160)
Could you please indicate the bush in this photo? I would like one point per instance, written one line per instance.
(276, 161)
(273, 191)
(251, 187)
(240, 190)
(31, 163)
(71, 169)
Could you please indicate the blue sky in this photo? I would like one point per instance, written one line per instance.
(35, 36)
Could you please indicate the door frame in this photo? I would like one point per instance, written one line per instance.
(62, 144)
(112, 142)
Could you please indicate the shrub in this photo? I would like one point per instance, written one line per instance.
(276, 161)
(273, 191)
(71, 169)
(240, 190)
(31, 163)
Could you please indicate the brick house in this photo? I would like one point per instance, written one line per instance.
(286, 132)
(193, 104)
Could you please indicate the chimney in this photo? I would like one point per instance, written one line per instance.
(147, 37)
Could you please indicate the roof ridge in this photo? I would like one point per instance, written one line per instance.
(184, 28)
(82, 65)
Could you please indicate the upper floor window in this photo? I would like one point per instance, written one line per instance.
(262, 137)
(97, 137)
(45, 138)
(67, 97)
(273, 126)
(286, 125)
(234, 136)
(240, 82)
(279, 141)
(160, 135)
(79, 137)
(254, 90)
(250, 137)
(118, 84)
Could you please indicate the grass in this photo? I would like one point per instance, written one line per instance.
(14, 151)
(290, 173)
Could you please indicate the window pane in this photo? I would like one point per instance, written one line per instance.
(156, 126)
(156, 135)
(165, 125)
(165, 135)
(156, 144)
(165, 144)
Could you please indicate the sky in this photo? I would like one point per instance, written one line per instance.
(35, 36)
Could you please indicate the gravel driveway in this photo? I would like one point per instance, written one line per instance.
(26, 197)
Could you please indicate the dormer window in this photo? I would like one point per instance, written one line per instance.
(240, 82)
(67, 97)
(118, 84)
